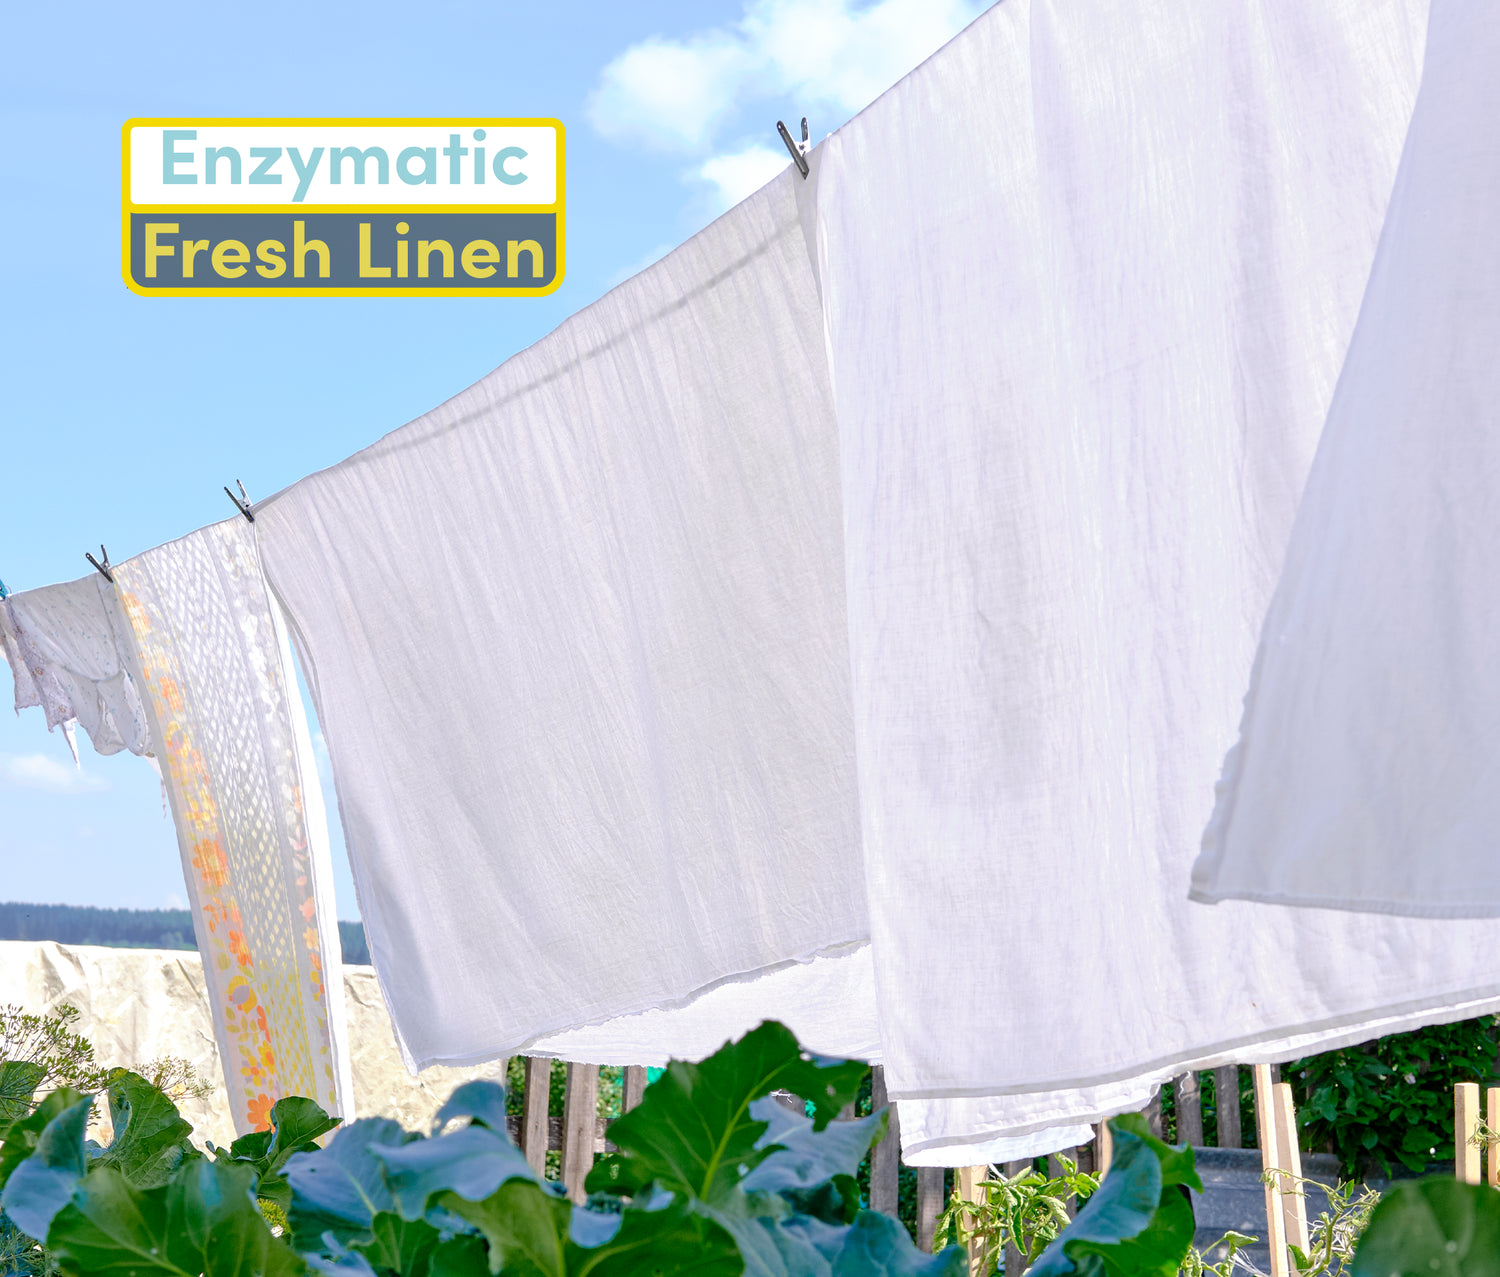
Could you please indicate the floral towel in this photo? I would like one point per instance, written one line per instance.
(215, 674)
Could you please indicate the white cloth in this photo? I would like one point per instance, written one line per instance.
(1090, 275)
(1368, 770)
(62, 643)
(576, 640)
(216, 672)
(802, 995)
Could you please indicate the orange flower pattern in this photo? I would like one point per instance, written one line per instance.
(229, 758)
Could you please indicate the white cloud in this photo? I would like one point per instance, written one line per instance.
(38, 771)
(742, 173)
(668, 93)
(834, 54)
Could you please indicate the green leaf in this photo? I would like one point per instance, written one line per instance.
(671, 1242)
(18, 1082)
(114, 1230)
(296, 1125)
(805, 1157)
(214, 1227)
(341, 1188)
(525, 1225)
(535, 1233)
(483, 1101)
(202, 1224)
(1432, 1228)
(461, 1257)
(472, 1162)
(1139, 1223)
(694, 1132)
(150, 1139)
(21, 1135)
(404, 1246)
(45, 1182)
(879, 1246)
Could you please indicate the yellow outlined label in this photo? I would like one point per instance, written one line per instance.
(368, 207)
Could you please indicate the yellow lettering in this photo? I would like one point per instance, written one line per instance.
(425, 249)
(229, 258)
(155, 250)
(479, 257)
(267, 251)
(190, 249)
(513, 251)
(366, 270)
(302, 246)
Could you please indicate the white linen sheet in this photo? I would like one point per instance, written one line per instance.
(1367, 775)
(576, 639)
(1090, 274)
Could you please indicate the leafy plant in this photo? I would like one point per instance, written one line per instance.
(1140, 1221)
(1433, 1227)
(1389, 1104)
(41, 1053)
(714, 1177)
(1026, 1210)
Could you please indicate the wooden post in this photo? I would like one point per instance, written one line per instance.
(966, 1184)
(1293, 1198)
(1265, 1126)
(580, 1117)
(1189, 1110)
(1227, 1105)
(1153, 1114)
(1492, 1120)
(929, 1204)
(632, 1087)
(1465, 1126)
(534, 1113)
(1056, 1168)
(1104, 1149)
(885, 1157)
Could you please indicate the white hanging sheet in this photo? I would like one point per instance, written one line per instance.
(1367, 775)
(1090, 275)
(63, 645)
(576, 639)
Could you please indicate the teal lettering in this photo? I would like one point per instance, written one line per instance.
(508, 153)
(262, 176)
(171, 157)
(211, 157)
(428, 156)
(305, 170)
(455, 154)
(361, 159)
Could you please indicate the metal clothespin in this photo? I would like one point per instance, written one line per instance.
(103, 569)
(799, 153)
(241, 502)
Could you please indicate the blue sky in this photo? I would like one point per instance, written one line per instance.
(124, 416)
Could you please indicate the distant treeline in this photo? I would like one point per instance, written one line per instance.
(130, 928)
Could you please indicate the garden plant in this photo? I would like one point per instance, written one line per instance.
(712, 1176)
